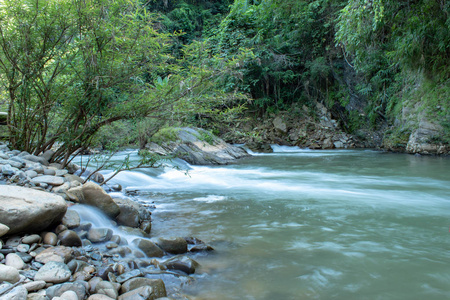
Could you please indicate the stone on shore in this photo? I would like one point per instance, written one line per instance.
(14, 260)
(17, 293)
(69, 238)
(58, 290)
(33, 286)
(28, 210)
(129, 212)
(55, 254)
(9, 274)
(3, 229)
(99, 297)
(53, 272)
(48, 179)
(71, 219)
(176, 245)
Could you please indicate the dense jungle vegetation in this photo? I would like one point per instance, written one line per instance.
(81, 72)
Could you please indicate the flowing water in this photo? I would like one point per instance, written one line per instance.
(301, 224)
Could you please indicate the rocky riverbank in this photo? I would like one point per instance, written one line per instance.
(48, 251)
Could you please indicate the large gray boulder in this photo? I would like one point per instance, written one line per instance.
(199, 147)
(95, 196)
(129, 212)
(27, 210)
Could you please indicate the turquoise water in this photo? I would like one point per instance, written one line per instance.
(302, 224)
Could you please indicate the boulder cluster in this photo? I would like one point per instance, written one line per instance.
(47, 250)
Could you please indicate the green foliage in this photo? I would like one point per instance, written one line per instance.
(167, 134)
(290, 40)
(207, 137)
(386, 41)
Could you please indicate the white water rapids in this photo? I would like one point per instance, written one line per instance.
(303, 224)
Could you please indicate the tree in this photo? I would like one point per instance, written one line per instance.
(71, 67)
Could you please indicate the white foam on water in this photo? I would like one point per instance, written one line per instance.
(210, 198)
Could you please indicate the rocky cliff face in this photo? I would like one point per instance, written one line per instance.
(299, 127)
(417, 131)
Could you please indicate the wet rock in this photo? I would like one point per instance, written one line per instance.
(133, 231)
(180, 263)
(148, 247)
(176, 245)
(23, 209)
(69, 238)
(56, 254)
(9, 274)
(85, 226)
(77, 286)
(3, 229)
(129, 212)
(159, 289)
(53, 272)
(128, 275)
(14, 260)
(111, 245)
(50, 239)
(71, 219)
(99, 235)
(95, 196)
(146, 226)
(197, 245)
(199, 147)
(75, 194)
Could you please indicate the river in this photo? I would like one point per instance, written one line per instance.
(304, 224)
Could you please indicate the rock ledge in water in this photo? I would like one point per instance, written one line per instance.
(199, 147)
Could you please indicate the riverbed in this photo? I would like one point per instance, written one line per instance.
(309, 224)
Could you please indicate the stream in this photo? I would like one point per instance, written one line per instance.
(309, 224)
